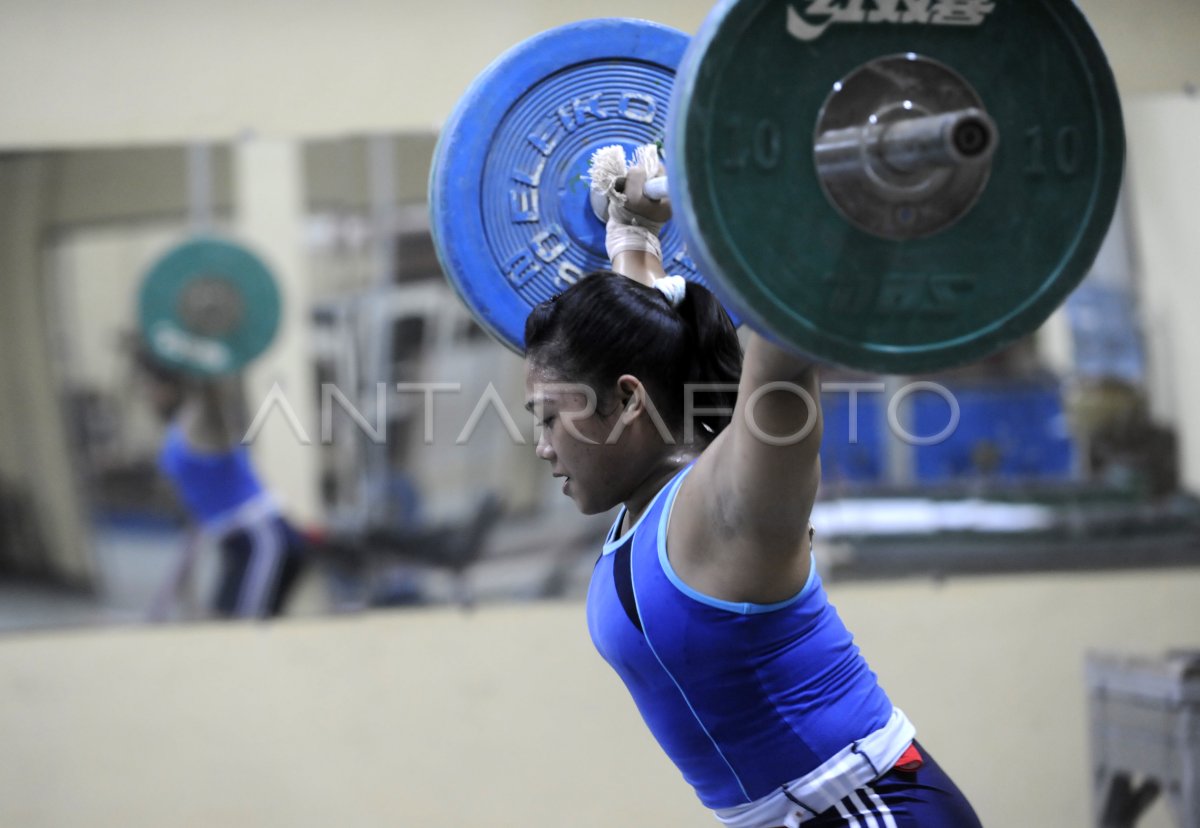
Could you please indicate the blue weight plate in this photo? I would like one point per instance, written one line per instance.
(208, 306)
(508, 188)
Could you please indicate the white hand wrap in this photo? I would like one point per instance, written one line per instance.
(621, 238)
(672, 287)
(626, 231)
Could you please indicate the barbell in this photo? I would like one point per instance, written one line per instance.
(897, 186)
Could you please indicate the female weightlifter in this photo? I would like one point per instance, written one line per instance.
(705, 599)
(262, 554)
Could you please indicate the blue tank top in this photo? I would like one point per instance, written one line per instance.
(743, 697)
(211, 486)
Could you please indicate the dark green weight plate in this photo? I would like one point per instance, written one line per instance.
(748, 96)
(208, 307)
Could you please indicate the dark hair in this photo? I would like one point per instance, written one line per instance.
(150, 365)
(168, 383)
(606, 325)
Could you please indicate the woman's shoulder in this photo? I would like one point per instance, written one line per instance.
(712, 548)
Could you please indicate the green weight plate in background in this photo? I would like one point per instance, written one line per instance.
(209, 307)
(748, 96)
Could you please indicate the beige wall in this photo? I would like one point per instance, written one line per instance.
(1164, 180)
(95, 275)
(146, 71)
(34, 454)
(271, 213)
(506, 717)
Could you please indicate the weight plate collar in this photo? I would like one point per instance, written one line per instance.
(748, 95)
(508, 194)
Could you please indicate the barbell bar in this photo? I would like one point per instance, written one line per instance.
(931, 141)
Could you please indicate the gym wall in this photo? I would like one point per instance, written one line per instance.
(143, 74)
(154, 72)
(506, 717)
(1164, 178)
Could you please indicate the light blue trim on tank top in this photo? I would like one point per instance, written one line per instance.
(740, 608)
(615, 542)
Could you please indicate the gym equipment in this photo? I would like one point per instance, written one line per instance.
(1144, 739)
(896, 268)
(208, 306)
(880, 187)
(510, 204)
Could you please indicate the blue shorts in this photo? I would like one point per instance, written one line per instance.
(922, 798)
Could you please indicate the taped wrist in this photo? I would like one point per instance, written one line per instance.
(626, 231)
(622, 238)
(617, 211)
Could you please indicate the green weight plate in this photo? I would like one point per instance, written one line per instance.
(209, 307)
(753, 88)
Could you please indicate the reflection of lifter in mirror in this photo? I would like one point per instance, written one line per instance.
(212, 474)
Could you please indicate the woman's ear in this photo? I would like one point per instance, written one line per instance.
(632, 397)
(638, 406)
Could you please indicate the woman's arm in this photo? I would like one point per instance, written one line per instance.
(744, 511)
(739, 530)
(642, 265)
(639, 265)
(211, 417)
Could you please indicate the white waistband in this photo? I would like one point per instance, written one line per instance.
(845, 772)
(262, 506)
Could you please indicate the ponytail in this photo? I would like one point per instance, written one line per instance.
(716, 358)
(607, 325)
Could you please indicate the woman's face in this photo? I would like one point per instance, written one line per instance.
(585, 446)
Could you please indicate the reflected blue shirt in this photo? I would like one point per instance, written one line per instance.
(211, 486)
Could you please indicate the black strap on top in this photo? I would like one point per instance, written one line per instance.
(623, 576)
